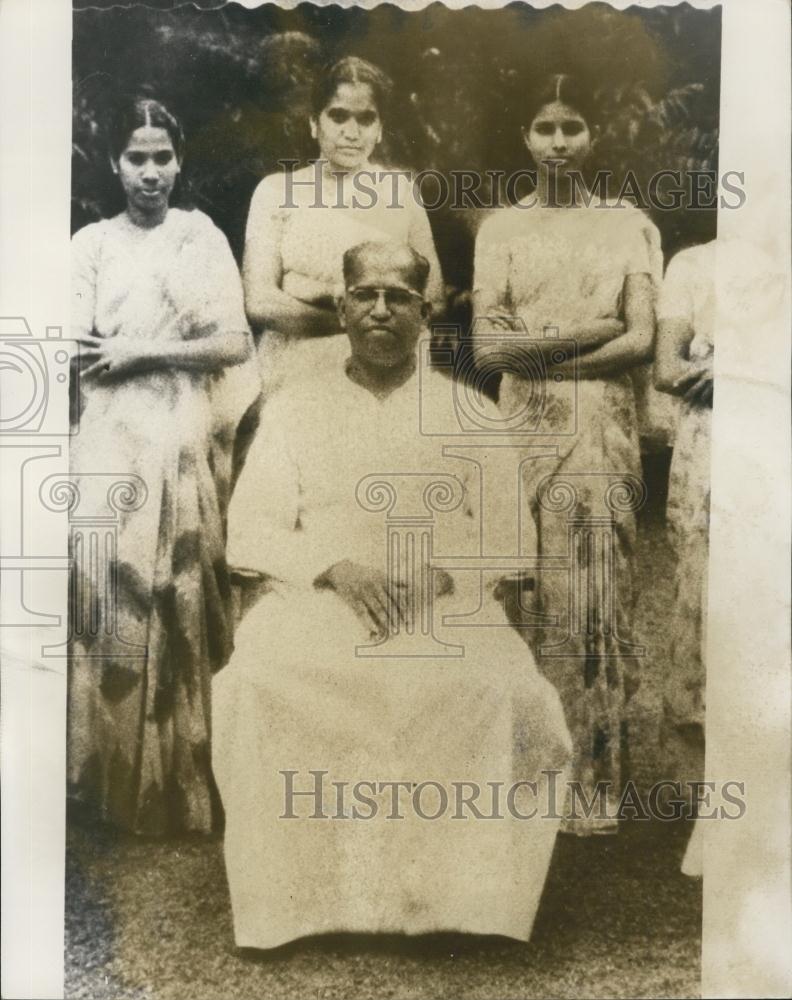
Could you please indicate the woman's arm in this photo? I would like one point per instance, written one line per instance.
(594, 332)
(672, 365)
(84, 246)
(203, 326)
(674, 371)
(205, 353)
(630, 347)
(490, 321)
(606, 345)
(266, 304)
(421, 240)
(494, 315)
(269, 307)
(83, 308)
(120, 356)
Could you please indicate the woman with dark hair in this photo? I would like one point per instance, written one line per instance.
(560, 267)
(166, 371)
(301, 223)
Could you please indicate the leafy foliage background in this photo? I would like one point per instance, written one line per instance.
(240, 81)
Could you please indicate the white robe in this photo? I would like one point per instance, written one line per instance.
(297, 697)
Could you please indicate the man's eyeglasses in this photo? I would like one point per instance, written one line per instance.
(395, 298)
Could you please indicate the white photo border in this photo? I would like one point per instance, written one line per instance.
(747, 921)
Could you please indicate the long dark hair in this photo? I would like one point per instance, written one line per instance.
(352, 69)
(564, 89)
(132, 113)
(143, 112)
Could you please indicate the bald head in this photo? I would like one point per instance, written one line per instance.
(364, 261)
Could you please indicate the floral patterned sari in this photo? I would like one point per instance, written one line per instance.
(553, 268)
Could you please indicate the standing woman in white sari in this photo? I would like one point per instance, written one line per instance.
(302, 222)
(588, 272)
(166, 373)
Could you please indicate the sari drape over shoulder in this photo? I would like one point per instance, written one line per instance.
(143, 651)
(553, 268)
(301, 218)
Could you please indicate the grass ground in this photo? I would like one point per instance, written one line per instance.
(152, 919)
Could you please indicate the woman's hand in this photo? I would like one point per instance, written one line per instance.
(502, 321)
(112, 357)
(487, 328)
(119, 356)
(696, 384)
(700, 393)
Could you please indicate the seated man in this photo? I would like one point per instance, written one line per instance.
(382, 769)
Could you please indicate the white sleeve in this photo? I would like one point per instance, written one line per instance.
(84, 250)
(639, 246)
(676, 298)
(265, 519)
(264, 231)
